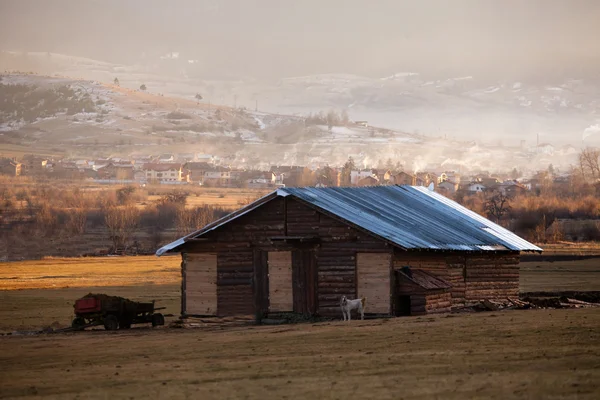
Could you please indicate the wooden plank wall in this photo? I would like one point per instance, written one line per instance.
(200, 284)
(281, 297)
(373, 281)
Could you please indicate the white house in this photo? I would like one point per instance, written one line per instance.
(356, 176)
(217, 176)
(476, 187)
(163, 172)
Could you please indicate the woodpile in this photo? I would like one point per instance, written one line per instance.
(213, 322)
(528, 303)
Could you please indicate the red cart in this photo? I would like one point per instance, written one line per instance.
(114, 312)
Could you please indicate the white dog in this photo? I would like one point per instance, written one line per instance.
(349, 305)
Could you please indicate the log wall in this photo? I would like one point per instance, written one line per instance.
(474, 276)
(492, 277)
(424, 301)
(430, 302)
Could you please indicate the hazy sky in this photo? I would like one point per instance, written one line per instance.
(273, 38)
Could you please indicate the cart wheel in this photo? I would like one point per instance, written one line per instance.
(78, 323)
(111, 323)
(158, 319)
(125, 324)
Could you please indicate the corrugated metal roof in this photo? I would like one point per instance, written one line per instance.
(407, 216)
(413, 218)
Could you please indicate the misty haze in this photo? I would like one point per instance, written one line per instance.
(412, 187)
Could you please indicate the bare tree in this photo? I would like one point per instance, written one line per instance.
(347, 169)
(589, 163)
(497, 205)
(121, 223)
(77, 220)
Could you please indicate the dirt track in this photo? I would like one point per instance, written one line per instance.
(515, 354)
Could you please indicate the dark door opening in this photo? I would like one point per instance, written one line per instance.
(304, 282)
(402, 306)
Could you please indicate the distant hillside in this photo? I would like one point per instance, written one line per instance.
(562, 111)
(53, 115)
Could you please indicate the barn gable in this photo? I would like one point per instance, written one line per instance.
(407, 216)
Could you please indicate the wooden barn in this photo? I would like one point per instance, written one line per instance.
(407, 249)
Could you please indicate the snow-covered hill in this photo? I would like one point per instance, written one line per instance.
(125, 121)
(461, 108)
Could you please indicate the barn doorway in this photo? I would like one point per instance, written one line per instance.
(402, 306)
(285, 281)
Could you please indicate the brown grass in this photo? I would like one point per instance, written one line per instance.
(513, 354)
(54, 273)
(518, 354)
(579, 275)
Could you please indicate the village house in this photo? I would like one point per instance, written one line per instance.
(357, 175)
(475, 187)
(384, 176)
(185, 157)
(447, 187)
(166, 158)
(300, 249)
(197, 170)
(32, 164)
(261, 180)
(510, 188)
(116, 171)
(163, 173)
(290, 175)
(217, 176)
(403, 178)
(425, 179)
(207, 158)
(449, 176)
(368, 181)
(10, 167)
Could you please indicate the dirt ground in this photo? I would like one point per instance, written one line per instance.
(511, 354)
(518, 354)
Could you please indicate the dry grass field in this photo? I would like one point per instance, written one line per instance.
(578, 275)
(232, 198)
(546, 354)
(511, 354)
